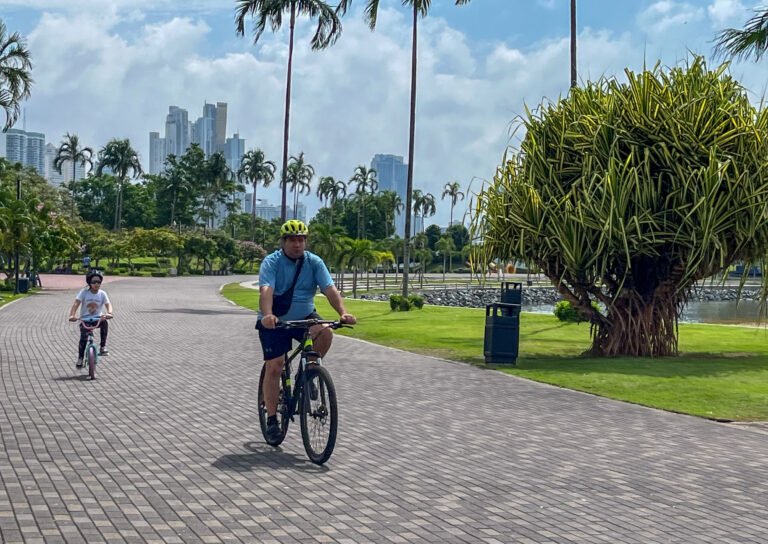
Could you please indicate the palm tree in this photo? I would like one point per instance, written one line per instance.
(271, 12)
(419, 7)
(219, 185)
(15, 78)
(332, 191)
(254, 168)
(752, 41)
(358, 254)
(121, 158)
(70, 151)
(365, 179)
(299, 175)
(445, 246)
(452, 190)
(424, 206)
(393, 205)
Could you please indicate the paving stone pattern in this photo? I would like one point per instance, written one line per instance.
(165, 447)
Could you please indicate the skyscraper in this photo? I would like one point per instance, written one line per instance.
(176, 131)
(221, 126)
(156, 153)
(28, 148)
(392, 175)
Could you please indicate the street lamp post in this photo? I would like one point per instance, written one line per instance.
(16, 265)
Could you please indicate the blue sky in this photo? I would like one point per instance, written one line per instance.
(107, 69)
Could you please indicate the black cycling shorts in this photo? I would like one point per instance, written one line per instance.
(277, 342)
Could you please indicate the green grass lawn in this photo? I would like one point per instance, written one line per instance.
(8, 296)
(722, 372)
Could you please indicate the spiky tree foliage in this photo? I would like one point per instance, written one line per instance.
(15, 78)
(751, 41)
(119, 157)
(629, 193)
(419, 8)
(70, 151)
(271, 12)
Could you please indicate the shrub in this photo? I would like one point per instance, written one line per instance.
(159, 274)
(417, 301)
(394, 302)
(564, 311)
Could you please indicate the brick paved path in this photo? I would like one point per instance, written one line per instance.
(167, 447)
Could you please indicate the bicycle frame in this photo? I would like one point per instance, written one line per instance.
(305, 349)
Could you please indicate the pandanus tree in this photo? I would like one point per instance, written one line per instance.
(271, 12)
(70, 150)
(119, 157)
(627, 194)
(15, 78)
(419, 8)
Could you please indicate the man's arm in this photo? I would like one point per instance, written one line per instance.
(268, 319)
(337, 301)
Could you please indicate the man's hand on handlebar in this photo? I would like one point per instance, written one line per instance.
(269, 321)
(348, 319)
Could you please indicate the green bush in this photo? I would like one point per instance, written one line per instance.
(164, 261)
(394, 302)
(564, 311)
(159, 274)
(416, 301)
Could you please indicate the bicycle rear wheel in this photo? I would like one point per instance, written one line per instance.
(91, 357)
(283, 419)
(319, 414)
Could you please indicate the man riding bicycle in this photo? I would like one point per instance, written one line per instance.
(295, 275)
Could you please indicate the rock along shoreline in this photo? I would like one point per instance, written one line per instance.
(542, 296)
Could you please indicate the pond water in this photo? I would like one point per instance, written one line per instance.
(724, 311)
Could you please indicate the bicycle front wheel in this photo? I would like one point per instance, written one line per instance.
(319, 414)
(91, 356)
(282, 417)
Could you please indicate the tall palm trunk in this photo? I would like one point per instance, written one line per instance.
(573, 43)
(412, 132)
(283, 210)
(74, 165)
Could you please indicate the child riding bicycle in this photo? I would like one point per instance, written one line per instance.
(95, 303)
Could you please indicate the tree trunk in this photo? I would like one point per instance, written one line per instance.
(636, 328)
(412, 133)
(283, 210)
(573, 43)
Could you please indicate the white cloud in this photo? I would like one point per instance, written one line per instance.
(100, 77)
(666, 15)
(725, 13)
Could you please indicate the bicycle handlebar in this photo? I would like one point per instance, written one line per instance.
(307, 323)
(101, 318)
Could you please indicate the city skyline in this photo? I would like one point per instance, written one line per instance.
(118, 67)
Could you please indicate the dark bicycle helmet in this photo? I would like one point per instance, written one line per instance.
(93, 274)
(293, 227)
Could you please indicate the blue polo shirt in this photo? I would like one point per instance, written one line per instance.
(277, 272)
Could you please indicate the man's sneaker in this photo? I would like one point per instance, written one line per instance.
(104, 351)
(79, 363)
(274, 433)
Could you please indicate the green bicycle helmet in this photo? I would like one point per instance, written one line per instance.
(293, 227)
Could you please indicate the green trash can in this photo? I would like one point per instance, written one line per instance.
(502, 333)
(23, 285)
(511, 292)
